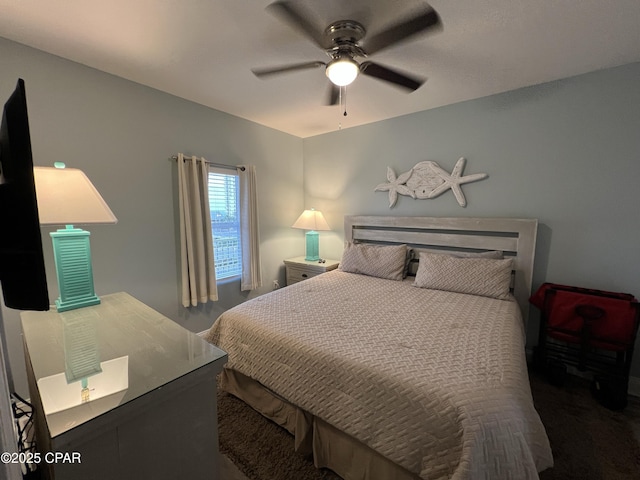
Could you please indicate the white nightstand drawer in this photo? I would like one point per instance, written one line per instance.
(298, 269)
(298, 274)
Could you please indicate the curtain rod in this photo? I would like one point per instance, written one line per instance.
(219, 165)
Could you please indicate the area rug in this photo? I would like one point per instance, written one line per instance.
(588, 440)
(259, 448)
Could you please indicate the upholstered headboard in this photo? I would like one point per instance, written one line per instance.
(514, 236)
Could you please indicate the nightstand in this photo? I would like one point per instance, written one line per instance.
(299, 269)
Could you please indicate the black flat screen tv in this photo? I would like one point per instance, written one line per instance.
(22, 270)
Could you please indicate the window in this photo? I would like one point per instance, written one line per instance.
(225, 222)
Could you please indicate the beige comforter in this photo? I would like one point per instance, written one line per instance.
(435, 381)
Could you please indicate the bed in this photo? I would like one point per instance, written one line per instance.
(408, 361)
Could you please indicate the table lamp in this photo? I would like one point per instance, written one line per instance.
(67, 197)
(312, 220)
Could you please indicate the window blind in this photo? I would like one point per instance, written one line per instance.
(225, 222)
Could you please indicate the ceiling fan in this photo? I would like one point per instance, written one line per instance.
(345, 40)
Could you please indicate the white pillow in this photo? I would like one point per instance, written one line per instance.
(383, 261)
(486, 277)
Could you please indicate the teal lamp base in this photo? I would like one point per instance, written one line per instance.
(313, 248)
(72, 254)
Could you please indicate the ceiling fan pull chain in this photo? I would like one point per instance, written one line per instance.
(343, 99)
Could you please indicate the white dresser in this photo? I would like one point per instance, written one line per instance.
(125, 390)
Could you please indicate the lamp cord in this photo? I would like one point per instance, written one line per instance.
(23, 418)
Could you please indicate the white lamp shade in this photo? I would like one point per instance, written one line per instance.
(67, 197)
(342, 71)
(311, 220)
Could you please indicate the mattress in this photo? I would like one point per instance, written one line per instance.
(435, 381)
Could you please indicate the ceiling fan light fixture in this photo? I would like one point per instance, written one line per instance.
(342, 71)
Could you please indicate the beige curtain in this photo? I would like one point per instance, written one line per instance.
(196, 238)
(251, 269)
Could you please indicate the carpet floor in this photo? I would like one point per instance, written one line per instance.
(588, 440)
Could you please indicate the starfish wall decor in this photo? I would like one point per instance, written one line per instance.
(428, 180)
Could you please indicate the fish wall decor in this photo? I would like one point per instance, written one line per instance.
(428, 180)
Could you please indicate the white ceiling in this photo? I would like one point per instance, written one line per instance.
(203, 50)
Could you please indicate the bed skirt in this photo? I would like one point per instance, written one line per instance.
(328, 446)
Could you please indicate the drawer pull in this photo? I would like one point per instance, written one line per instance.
(304, 275)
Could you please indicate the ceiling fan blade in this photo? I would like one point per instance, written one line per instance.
(427, 20)
(334, 95)
(263, 72)
(383, 73)
(295, 17)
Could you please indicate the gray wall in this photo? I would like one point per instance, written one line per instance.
(122, 135)
(566, 153)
